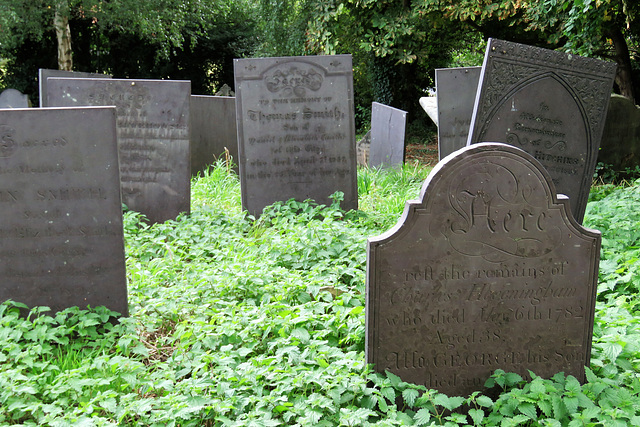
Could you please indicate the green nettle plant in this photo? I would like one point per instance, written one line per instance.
(237, 321)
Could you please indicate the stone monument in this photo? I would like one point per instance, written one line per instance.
(13, 98)
(455, 94)
(487, 270)
(551, 104)
(45, 73)
(296, 131)
(213, 130)
(153, 137)
(387, 136)
(61, 239)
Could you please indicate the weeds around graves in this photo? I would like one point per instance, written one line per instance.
(236, 321)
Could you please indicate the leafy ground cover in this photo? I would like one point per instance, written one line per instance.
(243, 322)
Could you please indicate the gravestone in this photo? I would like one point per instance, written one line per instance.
(387, 136)
(153, 137)
(13, 98)
(551, 104)
(620, 146)
(213, 130)
(61, 239)
(455, 94)
(44, 74)
(296, 131)
(363, 147)
(487, 270)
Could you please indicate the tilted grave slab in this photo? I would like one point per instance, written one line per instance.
(487, 270)
(551, 104)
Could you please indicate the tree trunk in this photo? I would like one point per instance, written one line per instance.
(624, 73)
(63, 34)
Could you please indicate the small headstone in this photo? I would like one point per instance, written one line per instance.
(551, 104)
(455, 93)
(225, 90)
(213, 130)
(61, 239)
(44, 74)
(153, 137)
(620, 147)
(363, 147)
(487, 270)
(13, 98)
(387, 136)
(296, 131)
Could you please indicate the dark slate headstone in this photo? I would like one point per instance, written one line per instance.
(551, 104)
(13, 98)
(387, 136)
(487, 270)
(61, 239)
(455, 93)
(153, 137)
(620, 146)
(44, 74)
(213, 130)
(296, 131)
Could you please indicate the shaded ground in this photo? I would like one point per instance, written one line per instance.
(427, 154)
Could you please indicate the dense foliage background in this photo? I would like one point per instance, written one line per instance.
(239, 322)
(396, 45)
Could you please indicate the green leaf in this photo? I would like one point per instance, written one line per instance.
(409, 395)
(422, 417)
(477, 415)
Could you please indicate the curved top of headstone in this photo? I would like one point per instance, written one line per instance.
(475, 196)
(13, 98)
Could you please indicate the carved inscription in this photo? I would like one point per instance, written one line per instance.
(485, 272)
(296, 131)
(61, 238)
(153, 137)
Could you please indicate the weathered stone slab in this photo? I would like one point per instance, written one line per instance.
(44, 74)
(620, 147)
(213, 130)
(551, 104)
(13, 98)
(456, 94)
(430, 106)
(61, 239)
(296, 131)
(153, 137)
(387, 136)
(487, 270)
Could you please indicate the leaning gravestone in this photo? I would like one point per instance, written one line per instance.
(387, 136)
(153, 137)
(44, 74)
(213, 130)
(13, 98)
(296, 132)
(551, 104)
(455, 94)
(61, 239)
(487, 270)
